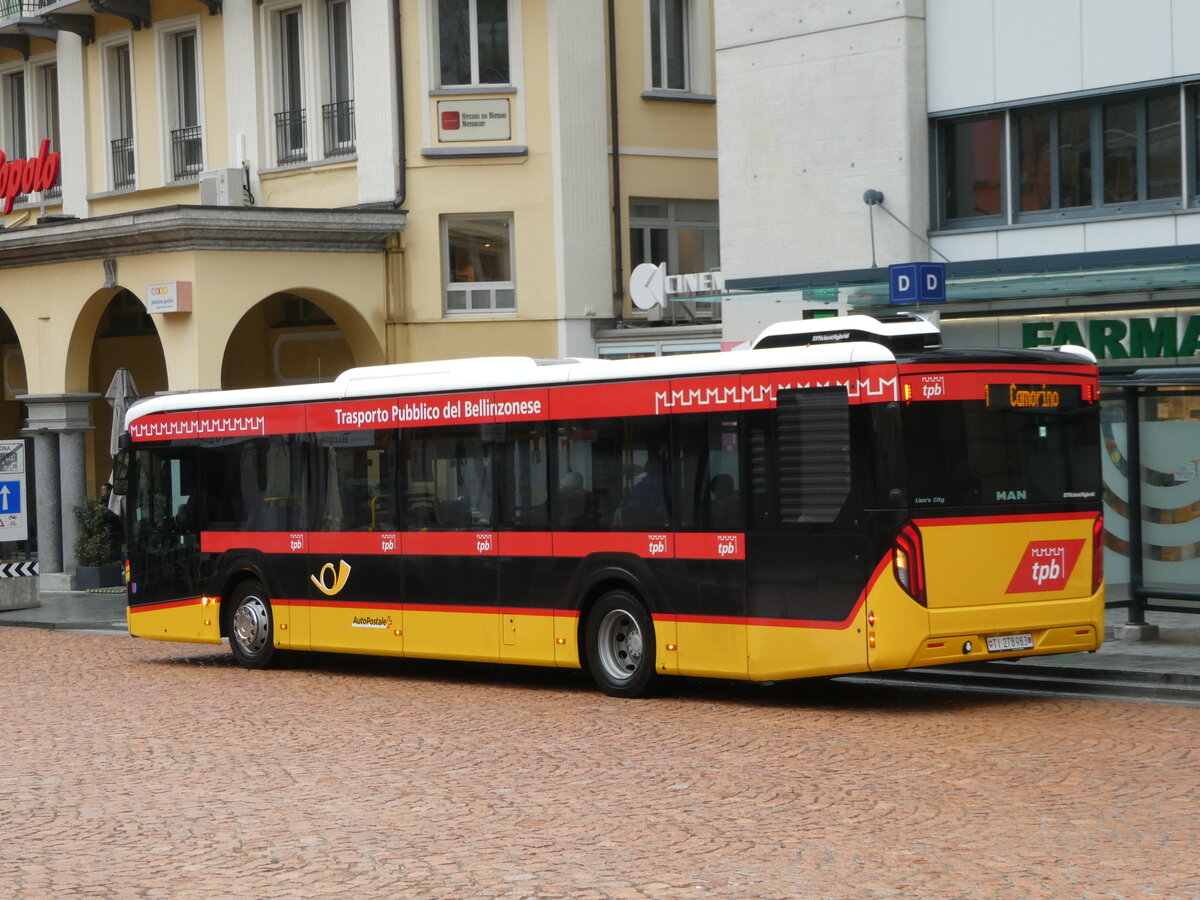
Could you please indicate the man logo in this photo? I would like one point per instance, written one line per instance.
(339, 578)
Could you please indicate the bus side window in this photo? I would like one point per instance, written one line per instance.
(448, 478)
(359, 485)
(523, 494)
(707, 473)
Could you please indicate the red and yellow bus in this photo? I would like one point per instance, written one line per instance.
(845, 497)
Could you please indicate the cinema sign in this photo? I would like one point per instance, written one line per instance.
(23, 176)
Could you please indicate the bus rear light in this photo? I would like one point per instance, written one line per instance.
(1097, 553)
(907, 562)
(871, 618)
(871, 639)
(936, 644)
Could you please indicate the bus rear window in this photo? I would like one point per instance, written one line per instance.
(1002, 454)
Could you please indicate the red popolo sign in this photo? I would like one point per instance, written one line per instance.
(1045, 566)
(21, 176)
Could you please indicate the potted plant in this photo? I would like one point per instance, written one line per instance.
(97, 546)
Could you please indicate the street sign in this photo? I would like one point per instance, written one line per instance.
(14, 521)
(917, 283)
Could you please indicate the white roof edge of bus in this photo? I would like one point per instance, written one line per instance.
(478, 374)
(1075, 350)
(869, 324)
(480, 364)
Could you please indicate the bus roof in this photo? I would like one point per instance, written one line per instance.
(490, 373)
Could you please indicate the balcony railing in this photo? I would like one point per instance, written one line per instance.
(338, 119)
(187, 152)
(122, 162)
(290, 142)
(20, 9)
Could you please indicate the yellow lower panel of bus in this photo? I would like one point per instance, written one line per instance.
(349, 630)
(973, 647)
(190, 621)
(757, 651)
(787, 652)
(906, 635)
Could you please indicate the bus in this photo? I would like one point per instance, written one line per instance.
(846, 496)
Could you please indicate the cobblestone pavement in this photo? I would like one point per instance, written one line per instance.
(143, 770)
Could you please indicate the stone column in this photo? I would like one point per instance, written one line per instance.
(72, 458)
(45, 482)
(58, 423)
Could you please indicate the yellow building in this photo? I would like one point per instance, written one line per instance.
(256, 192)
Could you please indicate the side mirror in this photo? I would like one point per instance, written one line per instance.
(120, 482)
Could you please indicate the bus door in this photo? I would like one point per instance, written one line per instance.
(450, 543)
(528, 588)
(248, 497)
(165, 567)
(355, 579)
(806, 546)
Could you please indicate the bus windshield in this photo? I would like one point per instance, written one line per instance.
(967, 453)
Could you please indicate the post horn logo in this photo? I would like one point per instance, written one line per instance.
(338, 575)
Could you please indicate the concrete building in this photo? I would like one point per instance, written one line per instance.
(255, 192)
(1048, 151)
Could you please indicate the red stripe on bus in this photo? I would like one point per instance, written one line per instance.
(168, 604)
(266, 541)
(649, 545)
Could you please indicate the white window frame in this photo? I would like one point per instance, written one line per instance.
(672, 223)
(328, 95)
(315, 78)
(449, 286)
(698, 49)
(475, 85)
(107, 45)
(42, 127)
(168, 98)
(6, 105)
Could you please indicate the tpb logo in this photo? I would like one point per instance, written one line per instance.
(1045, 566)
(933, 386)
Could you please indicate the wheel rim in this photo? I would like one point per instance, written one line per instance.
(620, 645)
(250, 625)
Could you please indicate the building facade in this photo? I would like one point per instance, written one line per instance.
(1048, 153)
(253, 193)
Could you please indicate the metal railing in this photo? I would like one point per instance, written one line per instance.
(290, 143)
(338, 120)
(122, 162)
(18, 9)
(187, 152)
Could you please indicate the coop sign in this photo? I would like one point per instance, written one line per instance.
(1119, 337)
(169, 297)
(23, 176)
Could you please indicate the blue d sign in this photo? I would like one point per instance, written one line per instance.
(917, 283)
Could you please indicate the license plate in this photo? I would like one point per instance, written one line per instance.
(1004, 642)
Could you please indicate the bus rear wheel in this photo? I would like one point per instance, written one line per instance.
(619, 645)
(252, 627)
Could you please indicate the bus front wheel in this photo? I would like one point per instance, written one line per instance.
(620, 645)
(252, 626)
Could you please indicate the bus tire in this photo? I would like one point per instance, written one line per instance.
(252, 627)
(619, 645)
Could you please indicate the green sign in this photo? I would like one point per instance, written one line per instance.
(1134, 337)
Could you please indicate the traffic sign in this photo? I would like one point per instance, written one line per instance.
(14, 523)
(917, 283)
(10, 497)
